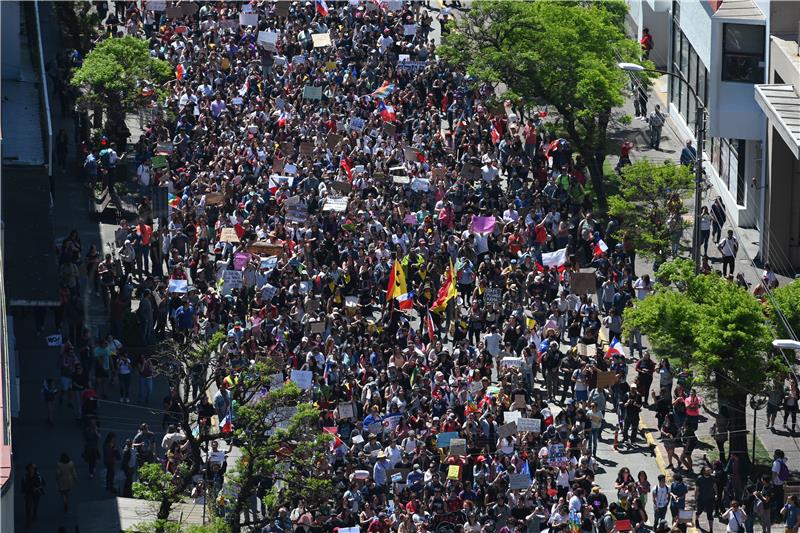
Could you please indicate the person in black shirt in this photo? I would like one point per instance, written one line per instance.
(705, 493)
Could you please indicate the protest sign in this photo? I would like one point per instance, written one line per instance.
(410, 153)
(268, 292)
(511, 416)
(231, 279)
(298, 59)
(333, 140)
(240, 260)
(306, 149)
(515, 362)
(401, 179)
(605, 379)
(475, 386)
(189, 8)
(454, 472)
(173, 12)
(215, 198)
(530, 425)
(159, 161)
(443, 439)
(519, 481)
(335, 204)
(438, 173)
(265, 247)
(321, 40)
(420, 185)
(458, 446)
(519, 401)
(296, 211)
(483, 224)
(583, 283)
(412, 65)
(357, 123)
(276, 182)
(344, 188)
(409, 29)
(268, 39)
(54, 340)
(157, 5)
(507, 430)
(248, 19)
(317, 326)
(557, 455)
(493, 295)
(302, 378)
(346, 410)
(228, 235)
(282, 10)
(178, 286)
(312, 93)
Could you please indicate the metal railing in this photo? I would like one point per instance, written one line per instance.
(45, 91)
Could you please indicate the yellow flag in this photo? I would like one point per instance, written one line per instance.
(397, 282)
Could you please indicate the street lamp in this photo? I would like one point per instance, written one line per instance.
(701, 134)
(786, 344)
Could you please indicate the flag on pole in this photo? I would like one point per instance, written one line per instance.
(387, 112)
(245, 88)
(322, 7)
(397, 282)
(348, 168)
(600, 247)
(446, 292)
(615, 348)
(227, 424)
(384, 91)
(179, 72)
(406, 300)
(429, 325)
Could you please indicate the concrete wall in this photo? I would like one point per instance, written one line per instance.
(783, 212)
(10, 53)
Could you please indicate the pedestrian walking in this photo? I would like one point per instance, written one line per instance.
(33, 485)
(790, 405)
(661, 499)
(91, 437)
(49, 394)
(128, 465)
(718, 217)
(66, 476)
(705, 229)
(729, 248)
(124, 373)
(111, 457)
(656, 121)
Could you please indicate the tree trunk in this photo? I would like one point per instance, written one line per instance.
(739, 439)
(594, 162)
(164, 508)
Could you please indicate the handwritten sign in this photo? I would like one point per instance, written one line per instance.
(458, 446)
(506, 430)
(346, 410)
(511, 416)
(228, 235)
(454, 472)
(557, 455)
(519, 481)
(321, 40)
(335, 204)
(515, 362)
(493, 295)
(529, 425)
(357, 124)
(302, 378)
(231, 279)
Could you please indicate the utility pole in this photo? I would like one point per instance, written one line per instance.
(699, 180)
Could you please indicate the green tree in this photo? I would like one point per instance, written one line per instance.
(717, 330)
(277, 431)
(650, 207)
(787, 299)
(115, 72)
(564, 54)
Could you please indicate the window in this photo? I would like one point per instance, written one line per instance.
(743, 53)
(684, 70)
(741, 185)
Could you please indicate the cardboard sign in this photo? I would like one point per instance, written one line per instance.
(506, 430)
(458, 446)
(519, 401)
(493, 295)
(529, 425)
(333, 140)
(471, 172)
(215, 198)
(342, 187)
(266, 248)
(228, 235)
(409, 29)
(583, 283)
(248, 19)
(321, 40)
(312, 93)
(178, 286)
(302, 378)
(519, 481)
(511, 416)
(605, 379)
(317, 326)
(278, 165)
(54, 340)
(346, 410)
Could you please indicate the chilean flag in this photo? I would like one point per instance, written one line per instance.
(387, 112)
(245, 88)
(227, 424)
(495, 133)
(600, 247)
(322, 7)
(282, 119)
(429, 326)
(614, 348)
(406, 301)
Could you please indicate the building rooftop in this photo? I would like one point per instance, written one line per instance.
(781, 104)
(739, 9)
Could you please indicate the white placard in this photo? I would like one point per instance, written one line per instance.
(420, 185)
(321, 40)
(303, 378)
(178, 286)
(512, 361)
(268, 292)
(409, 29)
(511, 416)
(519, 481)
(530, 425)
(346, 410)
(335, 204)
(248, 19)
(231, 279)
(54, 340)
(268, 39)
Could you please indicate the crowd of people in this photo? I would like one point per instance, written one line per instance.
(341, 198)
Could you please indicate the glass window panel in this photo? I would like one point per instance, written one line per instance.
(743, 53)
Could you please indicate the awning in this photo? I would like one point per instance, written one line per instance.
(781, 104)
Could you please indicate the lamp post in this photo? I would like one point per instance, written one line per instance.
(786, 344)
(701, 134)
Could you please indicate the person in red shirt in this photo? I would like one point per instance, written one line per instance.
(144, 233)
(647, 43)
(624, 155)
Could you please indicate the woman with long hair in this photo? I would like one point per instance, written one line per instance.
(66, 476)
(111, 457)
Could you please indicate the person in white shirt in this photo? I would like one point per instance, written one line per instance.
(736, 517)
(728, 246)
(144, 177)
(489, 171)
(510, 214)
(643, 287)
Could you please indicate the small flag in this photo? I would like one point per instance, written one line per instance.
(179, 72)
(495, 133)
(615, 348)
(322, 7)
(348, 167)
(600, 247)
(429, 325)
(282, 119)
(245, 88)
(227, 424)
(555, 259)
(406, 300)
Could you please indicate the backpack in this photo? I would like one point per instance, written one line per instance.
(783, 470)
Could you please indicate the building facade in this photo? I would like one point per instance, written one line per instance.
(722, 48)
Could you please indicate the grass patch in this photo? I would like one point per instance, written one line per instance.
(763, 455)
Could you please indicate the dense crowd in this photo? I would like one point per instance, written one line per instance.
(343, 199)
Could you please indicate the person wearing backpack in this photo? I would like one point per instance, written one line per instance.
(780, 475)
(656, 121)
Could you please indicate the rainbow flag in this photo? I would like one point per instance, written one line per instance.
(173, 201)
(384, 91)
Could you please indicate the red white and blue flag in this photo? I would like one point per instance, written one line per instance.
(387, 112)
(282, 119)
(227, 424)
(600, 247)
(615, 348)
(322, 7)
(348, 167)
(495, 133)
(429, 326)
(406, 301)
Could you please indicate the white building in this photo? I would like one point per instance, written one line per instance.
(722, 47)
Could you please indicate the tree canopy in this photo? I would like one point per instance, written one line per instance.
(564, 53)
(788, 300)
(649, 205)
(117, 69)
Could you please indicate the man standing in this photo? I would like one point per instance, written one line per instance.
(656, 121)
(90, 166)
(780, 475)
(718, 218)
(688, 154)
(729, 247)
(639, 98)
(705, 493)
(661, 499)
